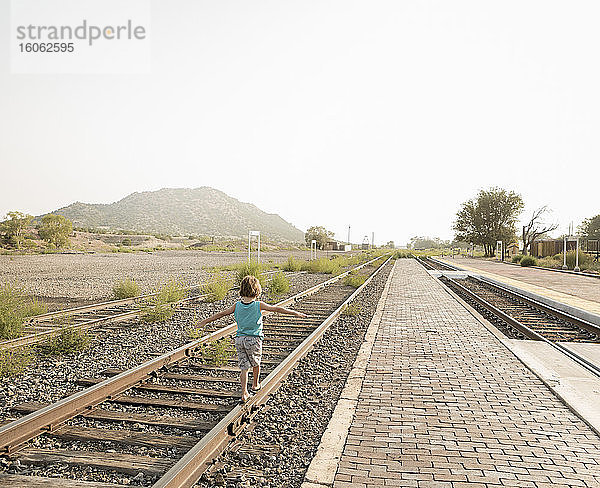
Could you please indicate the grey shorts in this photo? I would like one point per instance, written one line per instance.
(249, 350)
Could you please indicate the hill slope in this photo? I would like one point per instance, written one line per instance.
(198, 211)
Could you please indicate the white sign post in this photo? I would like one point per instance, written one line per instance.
(576, 269)
(564, 266)
(499, 246)
(313, 249)
(254, 233)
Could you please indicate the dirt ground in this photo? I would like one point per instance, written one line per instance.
(74, 279)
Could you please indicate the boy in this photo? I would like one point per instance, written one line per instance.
(248, 342)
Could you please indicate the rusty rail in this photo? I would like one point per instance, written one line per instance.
(186, 472)
(46, 419)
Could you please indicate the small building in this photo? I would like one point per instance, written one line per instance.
(512, 249)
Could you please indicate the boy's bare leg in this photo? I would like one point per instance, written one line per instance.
(256, 377)
(244, 382)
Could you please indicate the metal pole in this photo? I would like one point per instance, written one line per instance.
(348, 234)
(564, 266)
(248, 246)
(258, 257)
(577, 257)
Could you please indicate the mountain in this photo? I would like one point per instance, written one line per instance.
(183, 211)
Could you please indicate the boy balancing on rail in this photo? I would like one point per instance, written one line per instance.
(248, 342)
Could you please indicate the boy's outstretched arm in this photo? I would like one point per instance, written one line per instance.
(216, 316)
(272, 308)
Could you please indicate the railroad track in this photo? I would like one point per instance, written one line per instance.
(520, 317)
(162, 422)
(42, 326)
(434, 264)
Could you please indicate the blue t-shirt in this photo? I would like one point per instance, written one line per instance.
(249, 319)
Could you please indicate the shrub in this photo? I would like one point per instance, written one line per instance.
(34, 307)
(517, 258)
(15, 307)
(68, 340)
(250, 268)
(292, 265)
(354, 279)
(352, 309)
(322, 265)
(14, 361)
(196, 333)
(217, 289)
(217, 353)
(126, 288)
(279, 284)
(156, 312)
(170, 292)
(126, 242)
(528, 261)
(585, 260)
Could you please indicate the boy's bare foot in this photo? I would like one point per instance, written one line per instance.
(245, 397)
(256, 387)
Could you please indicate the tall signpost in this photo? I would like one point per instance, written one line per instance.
(313, 249)
(251, 234)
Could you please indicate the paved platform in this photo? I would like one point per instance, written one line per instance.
(445, 404)
(577, 291)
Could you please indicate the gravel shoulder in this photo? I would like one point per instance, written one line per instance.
(78, 279)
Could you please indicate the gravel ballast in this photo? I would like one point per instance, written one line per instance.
(296, 416)
(122, 345)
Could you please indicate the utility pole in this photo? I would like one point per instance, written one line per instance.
(348, 234)
(372, 240)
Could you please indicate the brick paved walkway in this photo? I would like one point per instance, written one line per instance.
(445, 404)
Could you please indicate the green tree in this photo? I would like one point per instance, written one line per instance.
(318, 233)
(426, 242)
(590, 228)
(14, 226)
(55, 229)
(488, 218)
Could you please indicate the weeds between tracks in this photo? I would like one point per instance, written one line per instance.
(15, 307)
(158, 307)
(126, 288)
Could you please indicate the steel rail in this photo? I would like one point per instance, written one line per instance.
(186, 472)
(584, 324)
(36, 337)
(21, 430)
(528, 332)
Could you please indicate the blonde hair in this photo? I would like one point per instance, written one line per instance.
(250, 287)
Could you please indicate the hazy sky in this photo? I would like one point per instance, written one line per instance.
(385, 115)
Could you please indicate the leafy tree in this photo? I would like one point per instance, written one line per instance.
(590, 228)
(14, 226)
(536, 228)
(318, 233)
(488, 218)
(55, 229)
(423, 242)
